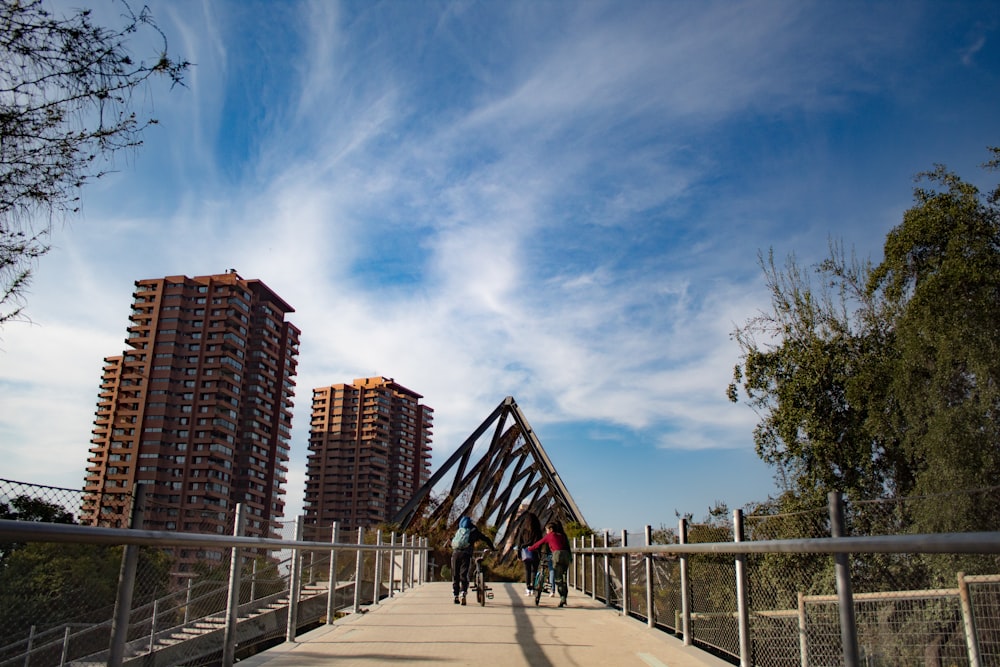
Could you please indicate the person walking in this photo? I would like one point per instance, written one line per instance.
(558, 543)
(528, 530)
(462, 544)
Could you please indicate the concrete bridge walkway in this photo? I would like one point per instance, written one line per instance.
(423, 625)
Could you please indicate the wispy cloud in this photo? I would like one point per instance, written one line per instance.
(561, 202)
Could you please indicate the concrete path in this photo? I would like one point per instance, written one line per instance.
(423, 625)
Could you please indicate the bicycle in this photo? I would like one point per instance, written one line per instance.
(483, 592)
(542, 576)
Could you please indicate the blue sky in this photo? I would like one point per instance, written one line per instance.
(558, 201)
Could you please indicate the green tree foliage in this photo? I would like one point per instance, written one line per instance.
(799, 380)
(884, 381)
(53, 583)
(66, 88)
(575, 529)
(941, 281)
(29, 508)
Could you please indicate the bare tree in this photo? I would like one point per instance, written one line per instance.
(66, 88)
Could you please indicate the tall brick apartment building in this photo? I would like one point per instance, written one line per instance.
(369, 451)
(199, 407)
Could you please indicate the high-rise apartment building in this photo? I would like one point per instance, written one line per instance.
(369, 451)
(199, 407)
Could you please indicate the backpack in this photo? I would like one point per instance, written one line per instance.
(462, 539)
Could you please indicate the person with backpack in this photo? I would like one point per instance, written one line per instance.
(558, 543)
(461, 556)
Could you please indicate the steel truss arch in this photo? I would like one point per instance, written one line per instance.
(514, 470)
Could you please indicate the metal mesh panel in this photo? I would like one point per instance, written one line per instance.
(61, 595)
(775, 582)
(775, 639)
(984, 594)
(636, 587)
(822, 644)
(667, 592)
(712, 590)
(919, 629)
(603, 575)
(713, 602)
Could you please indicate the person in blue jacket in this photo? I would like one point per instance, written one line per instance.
(462, 545)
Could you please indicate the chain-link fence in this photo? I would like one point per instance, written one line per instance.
(912, 608)
(57, 599)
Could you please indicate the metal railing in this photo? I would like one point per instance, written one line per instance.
(772, 590)
(213, 604)
(792, 602)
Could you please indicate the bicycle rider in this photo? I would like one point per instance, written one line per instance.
(463, 544)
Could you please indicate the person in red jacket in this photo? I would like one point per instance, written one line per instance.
(558, 543)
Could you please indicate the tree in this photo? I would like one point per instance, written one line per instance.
(804, 383)
(66, 89)
(941, 279)
(29, 508)
(885, 380)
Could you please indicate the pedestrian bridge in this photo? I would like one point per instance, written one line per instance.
(771, 590)
(422, 625)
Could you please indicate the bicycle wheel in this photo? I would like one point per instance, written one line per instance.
(480, 589)
(539, 585)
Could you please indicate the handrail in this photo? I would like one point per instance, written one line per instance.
(981, 542)
(939, 543)
(60, 629)
(59, 532)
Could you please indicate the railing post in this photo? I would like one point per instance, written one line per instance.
(27, 651)
(65, 648)
(253, 580)
(969, 621)
(593, 569)
(357, 571)
(607, 571)
(685, 604)
(402, 563)
(233, 603)
(845, 596)
(650, 609)
(572, 563)
(126, 583)
(152, 625)
(392, 563)
(378, 565)
(187, 600)
(803, 638)
(424, 560)
(742, 610)
(409, 562)
(295, 583)
(331, 597)
(625, 581)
